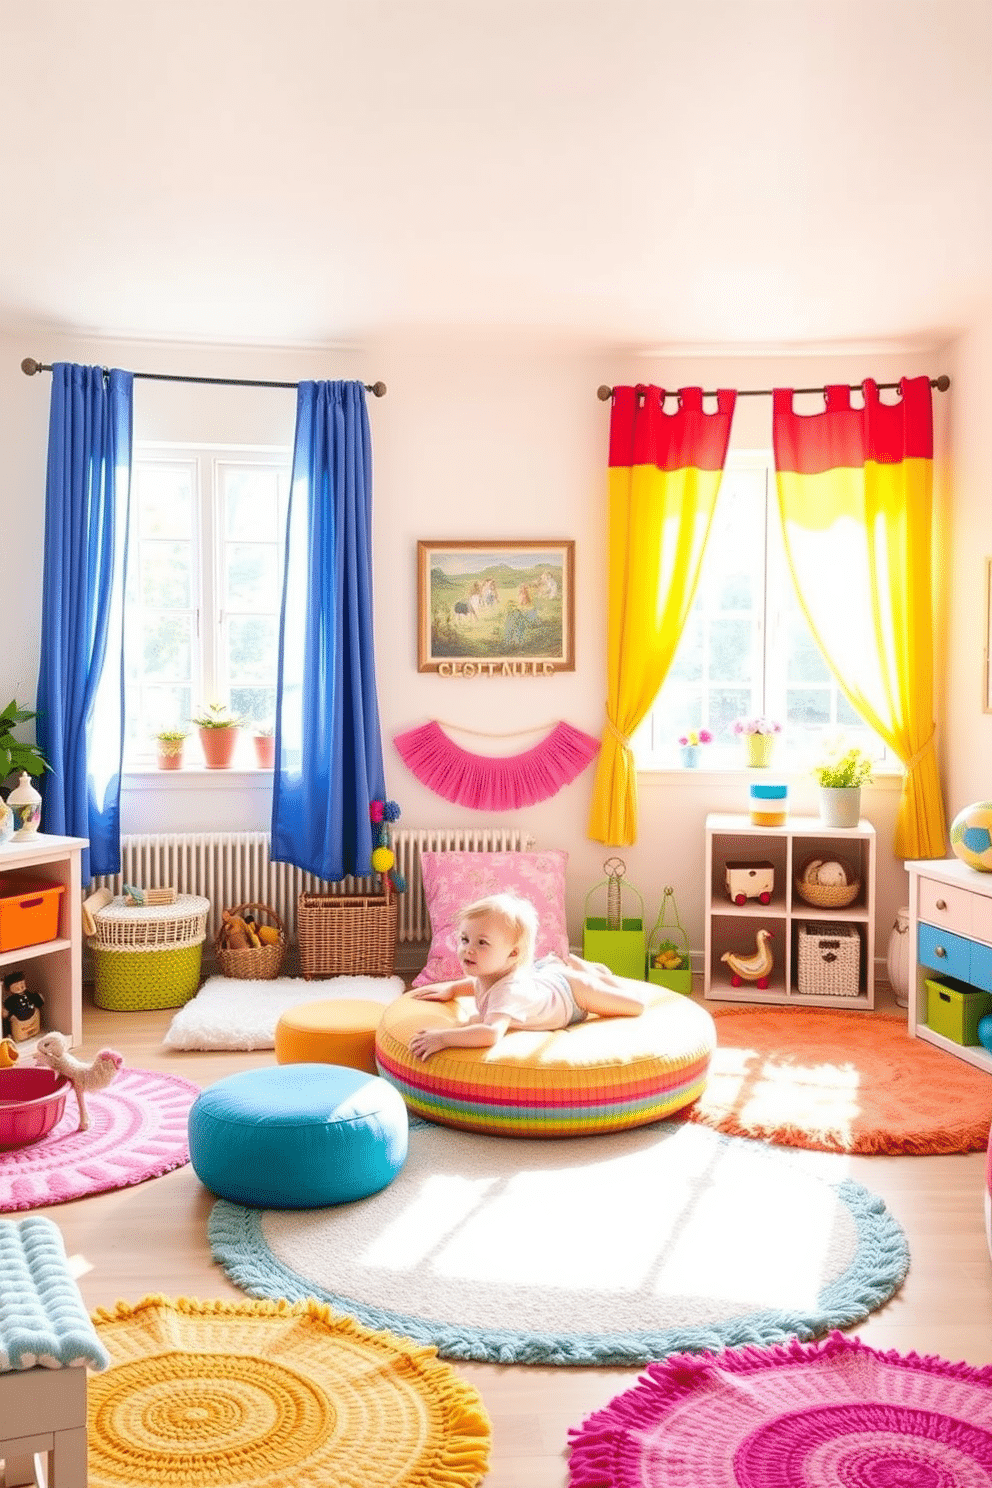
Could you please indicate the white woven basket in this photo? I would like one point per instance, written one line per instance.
(145, 927)
(829, 960)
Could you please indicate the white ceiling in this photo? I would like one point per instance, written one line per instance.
(641, 173)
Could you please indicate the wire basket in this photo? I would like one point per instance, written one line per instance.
(252, 963)
(347, 934)
(122, 927)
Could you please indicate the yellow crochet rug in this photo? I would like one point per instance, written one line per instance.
(274, 1395)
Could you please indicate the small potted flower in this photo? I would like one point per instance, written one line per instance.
(758, 735)
(169, 743)
(841, 776)
(690, 743)
(218, 728)
(264, 739)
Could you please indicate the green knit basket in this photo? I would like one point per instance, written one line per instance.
(138, 981)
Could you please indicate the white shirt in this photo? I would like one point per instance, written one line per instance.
(535, 996)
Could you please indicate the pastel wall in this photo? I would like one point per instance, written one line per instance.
(485, 439)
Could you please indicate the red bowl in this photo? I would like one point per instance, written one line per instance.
(32, 1101)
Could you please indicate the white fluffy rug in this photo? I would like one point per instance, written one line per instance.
(228, 1013)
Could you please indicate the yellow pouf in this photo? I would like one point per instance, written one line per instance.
(332, 1032)
(602, 1075)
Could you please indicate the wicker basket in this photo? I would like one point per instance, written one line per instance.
(123, 927)
(347, 934)
(828, 896)
(829, 960)
(252, 963)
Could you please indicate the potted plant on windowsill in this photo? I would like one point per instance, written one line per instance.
(264, 739)
(218, 728)
(758, 738)
(169, 744)
(841, 778)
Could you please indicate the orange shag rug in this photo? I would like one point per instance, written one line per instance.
(840, 1082)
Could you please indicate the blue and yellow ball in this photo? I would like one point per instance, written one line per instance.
(971, 836)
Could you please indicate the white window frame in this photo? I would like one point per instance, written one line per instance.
(209, 681)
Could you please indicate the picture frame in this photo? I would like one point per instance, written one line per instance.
(494, 609)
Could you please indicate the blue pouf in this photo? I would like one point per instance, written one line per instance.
(298, 1136)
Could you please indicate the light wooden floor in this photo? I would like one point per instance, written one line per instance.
(152, 1238)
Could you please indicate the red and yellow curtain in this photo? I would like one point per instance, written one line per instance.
(664, 475)
(855, 491)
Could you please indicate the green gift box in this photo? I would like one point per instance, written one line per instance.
(615, 939)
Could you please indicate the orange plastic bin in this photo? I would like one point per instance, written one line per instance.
(29, 912)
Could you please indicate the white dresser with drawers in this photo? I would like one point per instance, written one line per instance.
(950, 935)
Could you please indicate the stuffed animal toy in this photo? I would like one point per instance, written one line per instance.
(21, 1008)
(53, 1051)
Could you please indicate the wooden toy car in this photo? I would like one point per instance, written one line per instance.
(750, 880)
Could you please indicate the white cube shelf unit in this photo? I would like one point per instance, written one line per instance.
(733, 927)
(950, 935)
(54, 967)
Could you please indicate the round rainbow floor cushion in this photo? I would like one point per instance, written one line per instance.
(602, 1075)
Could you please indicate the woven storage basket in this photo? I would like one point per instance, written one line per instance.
(347, 934)
(828, 896)
(138, 979)
(829, 960)
(120, 926)
(252, 963)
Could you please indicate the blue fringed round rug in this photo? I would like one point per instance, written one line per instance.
(592, 1250)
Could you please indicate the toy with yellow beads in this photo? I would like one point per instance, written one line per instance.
(382, 813)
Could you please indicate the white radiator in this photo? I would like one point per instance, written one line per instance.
(231, 868)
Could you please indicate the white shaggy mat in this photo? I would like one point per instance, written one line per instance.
(229, 1013)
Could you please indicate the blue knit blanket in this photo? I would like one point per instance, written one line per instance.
(42, 1316)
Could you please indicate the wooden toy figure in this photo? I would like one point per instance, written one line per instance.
(21, 1008)
(756, 968)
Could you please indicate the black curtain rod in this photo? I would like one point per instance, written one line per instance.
(604, 393)
(29, 367)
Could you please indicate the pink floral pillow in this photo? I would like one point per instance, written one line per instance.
(454, 879)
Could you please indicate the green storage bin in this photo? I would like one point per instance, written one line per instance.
(615, 939)
(669, 941)
(954, 1009)
(131, 981)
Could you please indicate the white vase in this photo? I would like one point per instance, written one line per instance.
(897, 961)
(840, 806)
(25, 802)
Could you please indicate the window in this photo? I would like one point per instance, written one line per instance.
(204, 588)
(747, 649)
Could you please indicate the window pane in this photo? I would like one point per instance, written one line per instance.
(166, 648)
(807, 708)
(165, 500)
(165, 575)
(254, 704)
(730, 650)
(251, 503)
(252, 649)
(253, 576)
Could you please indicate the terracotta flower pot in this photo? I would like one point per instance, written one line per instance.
(265, 750)
(218, 746)
(170, 757)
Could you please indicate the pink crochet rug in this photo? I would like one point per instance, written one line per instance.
(831, 1415)
(137, 1131)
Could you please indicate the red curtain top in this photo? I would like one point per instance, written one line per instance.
(842, 436)
(642, 433)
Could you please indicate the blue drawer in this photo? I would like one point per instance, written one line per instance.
(981, 966)
(956, 952)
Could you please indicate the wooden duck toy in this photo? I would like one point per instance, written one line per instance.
(756, 968)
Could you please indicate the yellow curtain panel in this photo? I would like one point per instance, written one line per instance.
(855, 491)
(664, 475)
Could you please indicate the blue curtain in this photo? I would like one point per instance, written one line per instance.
(328, 741)
(80, 724)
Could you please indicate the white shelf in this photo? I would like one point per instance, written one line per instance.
(787, 847)
(53, 968)
(948, 894)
